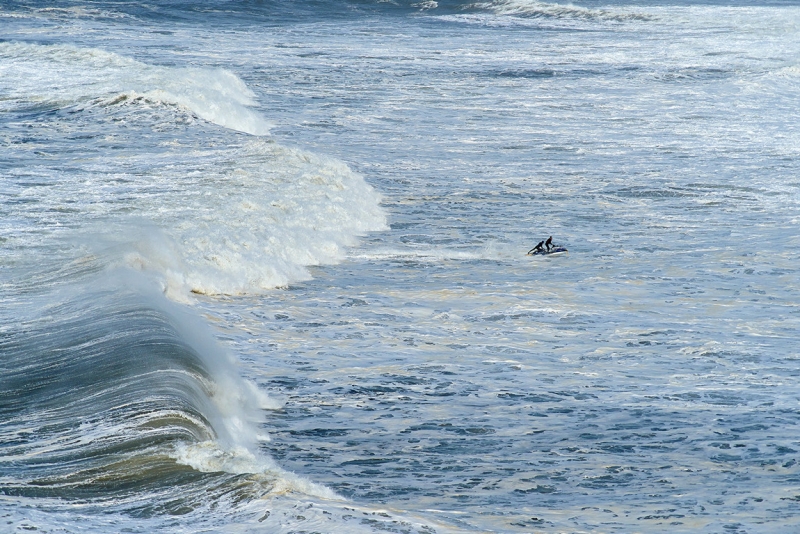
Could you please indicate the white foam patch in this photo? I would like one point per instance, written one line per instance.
(426, 5)
(275, 513)
(430, 255)
(63, 75)
(790, 73)
(252, 226)
(491, 251)
(282, 516)
(209, 457)
(534, 8)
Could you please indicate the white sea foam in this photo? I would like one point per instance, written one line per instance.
(534, 8)
(427, 4)
(233, 220)
(276, 513)
(255, 225)
(430, 255)
(209, 457)
(491, 251)
(63, 75)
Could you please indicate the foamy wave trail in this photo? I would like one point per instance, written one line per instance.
(536, 9)
(256, 224)
(63, 75)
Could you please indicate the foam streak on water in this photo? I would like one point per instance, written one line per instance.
(263, 267)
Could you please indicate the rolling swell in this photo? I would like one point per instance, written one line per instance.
(99, 393)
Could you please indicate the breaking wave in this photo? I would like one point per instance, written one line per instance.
(536, 9)
(240, 216)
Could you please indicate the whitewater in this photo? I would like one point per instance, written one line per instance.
(263, 266)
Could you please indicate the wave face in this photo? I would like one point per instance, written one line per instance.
(99, 386)
(118, 407)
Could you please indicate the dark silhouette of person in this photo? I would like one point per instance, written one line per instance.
(537, 248)
(549, 243)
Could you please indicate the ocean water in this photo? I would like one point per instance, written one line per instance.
(263, 266)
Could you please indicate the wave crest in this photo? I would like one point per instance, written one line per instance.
(255, 226)
(99, 383)
(63, 75)
(536, 9)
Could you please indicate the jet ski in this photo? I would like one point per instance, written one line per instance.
(545, 252)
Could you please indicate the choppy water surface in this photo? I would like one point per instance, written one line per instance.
(264, 267)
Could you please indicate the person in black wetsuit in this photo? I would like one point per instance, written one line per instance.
(537, 248)
(549, 243)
